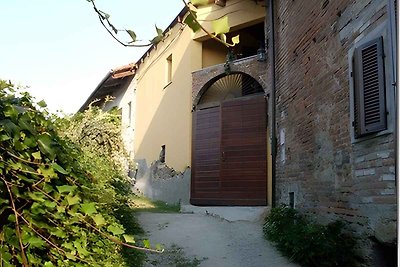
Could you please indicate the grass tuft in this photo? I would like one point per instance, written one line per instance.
(143, 204)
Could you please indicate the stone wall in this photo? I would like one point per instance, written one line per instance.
(159, 182)
(331, 174)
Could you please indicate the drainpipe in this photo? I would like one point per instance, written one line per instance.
(269, 4)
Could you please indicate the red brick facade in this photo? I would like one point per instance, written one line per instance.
(331, 173)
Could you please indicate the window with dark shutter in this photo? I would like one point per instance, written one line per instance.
(369, 88)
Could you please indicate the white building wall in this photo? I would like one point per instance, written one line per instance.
(128, 105)
(125, 100)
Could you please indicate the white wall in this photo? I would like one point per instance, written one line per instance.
(124, 96)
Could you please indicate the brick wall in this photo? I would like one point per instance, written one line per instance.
(258, 70)
(330, 174)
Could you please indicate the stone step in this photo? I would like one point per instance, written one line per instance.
(251, 214)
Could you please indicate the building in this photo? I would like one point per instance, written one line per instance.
(335, 113)
(312, 126)
(118, 89)
(164, 96)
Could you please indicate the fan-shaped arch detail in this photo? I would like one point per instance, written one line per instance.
(228, 87)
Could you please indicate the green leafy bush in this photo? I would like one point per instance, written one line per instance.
(51, 212)
(307, 243)
(98, 135)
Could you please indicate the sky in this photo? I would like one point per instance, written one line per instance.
(61, 51)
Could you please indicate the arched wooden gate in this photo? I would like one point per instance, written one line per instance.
(229, 149)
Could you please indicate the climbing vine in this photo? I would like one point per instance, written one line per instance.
(51, 212)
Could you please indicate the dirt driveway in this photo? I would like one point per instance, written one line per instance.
(203, 240)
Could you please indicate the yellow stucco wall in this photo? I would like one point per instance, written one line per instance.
(213, 53)
(163, 111)
(241, 13)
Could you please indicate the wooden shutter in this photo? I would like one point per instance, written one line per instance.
(369, 87)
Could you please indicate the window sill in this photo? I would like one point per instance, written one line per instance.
(370, 136)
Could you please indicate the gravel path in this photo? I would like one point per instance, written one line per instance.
(201, 240)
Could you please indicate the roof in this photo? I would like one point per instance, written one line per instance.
(114, 79)
(117, 77)
(178, 19)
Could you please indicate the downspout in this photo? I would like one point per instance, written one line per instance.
(394, 40)
(271, 50)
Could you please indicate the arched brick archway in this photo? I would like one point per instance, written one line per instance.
(229, 149)
(203, 78)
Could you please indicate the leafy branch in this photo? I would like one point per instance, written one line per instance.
(17, 228)
(220, 26)
(111, 238)
(23, 160)
(119, 242)
(47, 240)
(104, 17)
(50, 188)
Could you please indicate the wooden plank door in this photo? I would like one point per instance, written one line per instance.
(243, 172)
(205, 185)
(229, 154)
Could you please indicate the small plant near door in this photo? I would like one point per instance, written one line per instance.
(308, 243)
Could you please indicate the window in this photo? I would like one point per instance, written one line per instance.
(369, 88)
(291, 200)
(372, 79)
(162, 154)
(120, 114)
(129, 113)
(169, 69)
